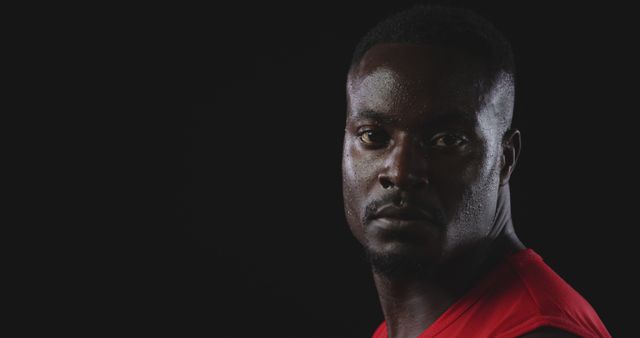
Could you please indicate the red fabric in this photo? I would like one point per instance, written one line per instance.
(518, 296)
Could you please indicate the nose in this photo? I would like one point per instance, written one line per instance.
(405, 167)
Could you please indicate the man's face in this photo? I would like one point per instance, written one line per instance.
(421, 156)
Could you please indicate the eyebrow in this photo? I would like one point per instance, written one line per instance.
(377, 116)
(442, 118)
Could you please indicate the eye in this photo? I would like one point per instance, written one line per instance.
(447, 140)
(373, 137)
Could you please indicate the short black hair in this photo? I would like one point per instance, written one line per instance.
(443, 26)
(447, 26)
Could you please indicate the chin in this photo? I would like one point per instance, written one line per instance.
(401, 258)
(422, 244)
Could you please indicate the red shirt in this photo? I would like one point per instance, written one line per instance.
(518, 296)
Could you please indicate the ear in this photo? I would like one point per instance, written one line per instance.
(511, 144)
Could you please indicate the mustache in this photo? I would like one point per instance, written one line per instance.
(401, 199)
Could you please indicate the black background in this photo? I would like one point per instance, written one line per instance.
(215, 208)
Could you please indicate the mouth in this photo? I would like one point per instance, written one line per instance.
(408, 218)
(402, 214)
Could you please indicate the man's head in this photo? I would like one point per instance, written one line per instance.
(427, 148)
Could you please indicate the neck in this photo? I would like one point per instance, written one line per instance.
(411, 304)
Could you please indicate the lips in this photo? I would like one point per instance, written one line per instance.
(408, 213)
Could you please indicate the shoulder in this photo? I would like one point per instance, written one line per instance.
(551, 294)
(548, 332)
(559, 308)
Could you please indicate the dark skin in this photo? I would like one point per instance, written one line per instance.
(426, 167)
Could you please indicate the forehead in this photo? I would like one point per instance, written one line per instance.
(410, 76)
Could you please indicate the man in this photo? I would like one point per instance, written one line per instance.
(428, 153)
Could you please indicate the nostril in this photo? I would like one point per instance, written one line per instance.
(411, 182)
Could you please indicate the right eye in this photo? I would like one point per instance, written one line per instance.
(373, 137)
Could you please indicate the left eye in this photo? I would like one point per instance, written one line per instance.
(373, 137)
(447, 140)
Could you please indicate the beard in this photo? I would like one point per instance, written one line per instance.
(394, 265)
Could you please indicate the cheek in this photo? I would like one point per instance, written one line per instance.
(357, 175)
(359, 169)
(463, 183)
(455, 172)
